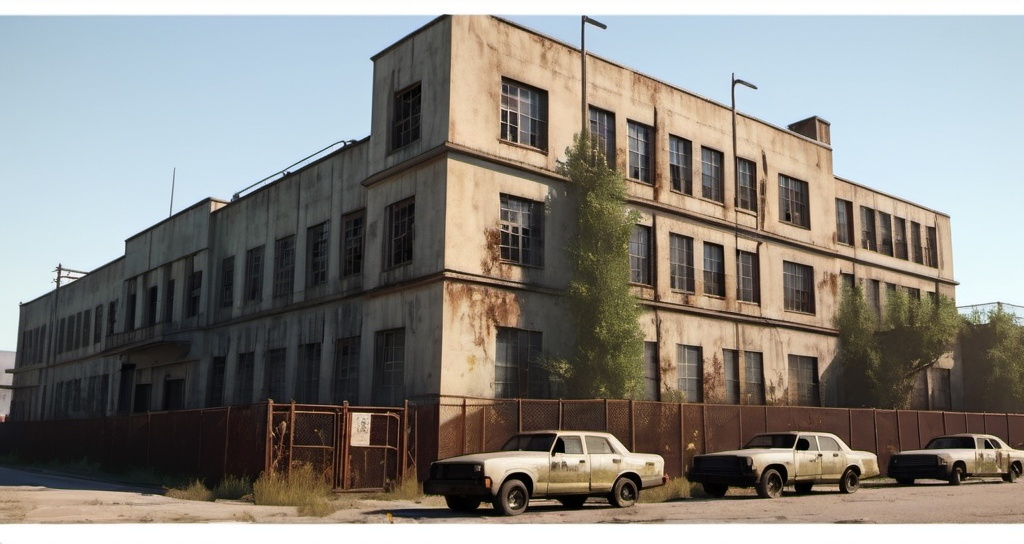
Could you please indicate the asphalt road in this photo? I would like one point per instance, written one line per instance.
(32, 502)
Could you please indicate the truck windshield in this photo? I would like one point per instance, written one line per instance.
(784, 441)
(951, 443)
(529, 442)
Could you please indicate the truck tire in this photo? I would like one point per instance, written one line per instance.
(1012, 473)
(624, 493)
(771, 484)
(850, 481)
(956, 475)
(512, 498)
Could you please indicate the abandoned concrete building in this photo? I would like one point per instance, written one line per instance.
(427, 259)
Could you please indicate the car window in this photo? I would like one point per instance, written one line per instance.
(807, 443)
(989, 446)
(784, 441)
(529, 442)
(951, 443)
(598, 444)
(573, 445)
(827, 443)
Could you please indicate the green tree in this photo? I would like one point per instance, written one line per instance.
(608, 358)
(882, 357)
(994, 341)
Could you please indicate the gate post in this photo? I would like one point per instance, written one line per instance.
(404, 438)
(346, 429)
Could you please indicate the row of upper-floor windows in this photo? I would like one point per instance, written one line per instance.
(887, 234)
(74, 331)
(398, 238)
(523, 121)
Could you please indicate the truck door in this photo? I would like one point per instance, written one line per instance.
(605, 464)
(833, 459)
(807, 459)
(569, 471)
(989, 459)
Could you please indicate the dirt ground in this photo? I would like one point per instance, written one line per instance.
(36, 507)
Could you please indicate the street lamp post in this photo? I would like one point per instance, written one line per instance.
(583, 66)
(735, 159)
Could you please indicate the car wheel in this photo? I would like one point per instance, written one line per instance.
(905, 481)
(573, 502)
(803, 488)
(461, 504)
(956, 475)
(770, 486)
(850, 481)
(1012, 474)
(512, 498)
(624, 493)
(715, 490)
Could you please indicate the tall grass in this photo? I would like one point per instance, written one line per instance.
(302, 488)
(677, 488)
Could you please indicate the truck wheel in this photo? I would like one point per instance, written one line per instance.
(461, 504)
(512, 498)
(956, 475)
(715, 490)
(573, 502)
(850, 481)
(624, 493)
(770, 486)
(1012, 474)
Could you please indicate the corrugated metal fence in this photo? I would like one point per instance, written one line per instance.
(679, 431)
(371, 448)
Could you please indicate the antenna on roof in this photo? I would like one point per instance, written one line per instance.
(170, 210)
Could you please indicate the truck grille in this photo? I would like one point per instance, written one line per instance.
(718, 465)
(913, 461)
(454, 471)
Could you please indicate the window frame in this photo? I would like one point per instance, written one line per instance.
(714, 270)
(353, 236)
(711, 184)
(746, 185)
(254, 265)
(521, 227)
(868, 232)
(799, 368)
(794, 202)
(748, 277)
(680, 164)
(690, 372)
(517, 372)
(682, 276)
(640, 138)
(602, 133)
(844, 222)
(753, 391)
(798, 287)
(318, 254)
(513, 128)
(284, 266)
(406, 116)
(640, 258)
(389, 367)
(400, 233)
(346, 370)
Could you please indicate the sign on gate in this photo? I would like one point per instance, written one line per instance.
(361, 429)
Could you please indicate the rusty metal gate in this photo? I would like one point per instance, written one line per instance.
(354, 448)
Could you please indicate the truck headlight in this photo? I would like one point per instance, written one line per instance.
(942, 461)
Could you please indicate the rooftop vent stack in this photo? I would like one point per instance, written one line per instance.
(814, 128)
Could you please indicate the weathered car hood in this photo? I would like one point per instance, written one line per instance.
(486, 456)
(952, 451)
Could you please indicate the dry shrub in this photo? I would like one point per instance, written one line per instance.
(677, 488)
(302, 488)
(195, 491)
(233, 488)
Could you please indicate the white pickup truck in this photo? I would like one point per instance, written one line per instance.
(956, 457)
(565, 465)
(771, 461)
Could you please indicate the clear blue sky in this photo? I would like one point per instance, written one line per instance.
(96, 112)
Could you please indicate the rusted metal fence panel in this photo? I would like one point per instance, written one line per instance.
(1015, 430)
(930, 424)
(909, 434)
(862, 430)
(540, 415)
(975, 423)
(888, 435)
(752, 421)
(996, 424)
(955, 422)
(724, 429)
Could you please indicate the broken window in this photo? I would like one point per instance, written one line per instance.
(316, 254)
(524, 112)
(711, 174)
(284, 266)
(640, 156)
(406, 125)
(714, 270)
(746, 185)
(798, 287)
(793, 202)
(640, 255)
(680, 164)
(522, 231)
